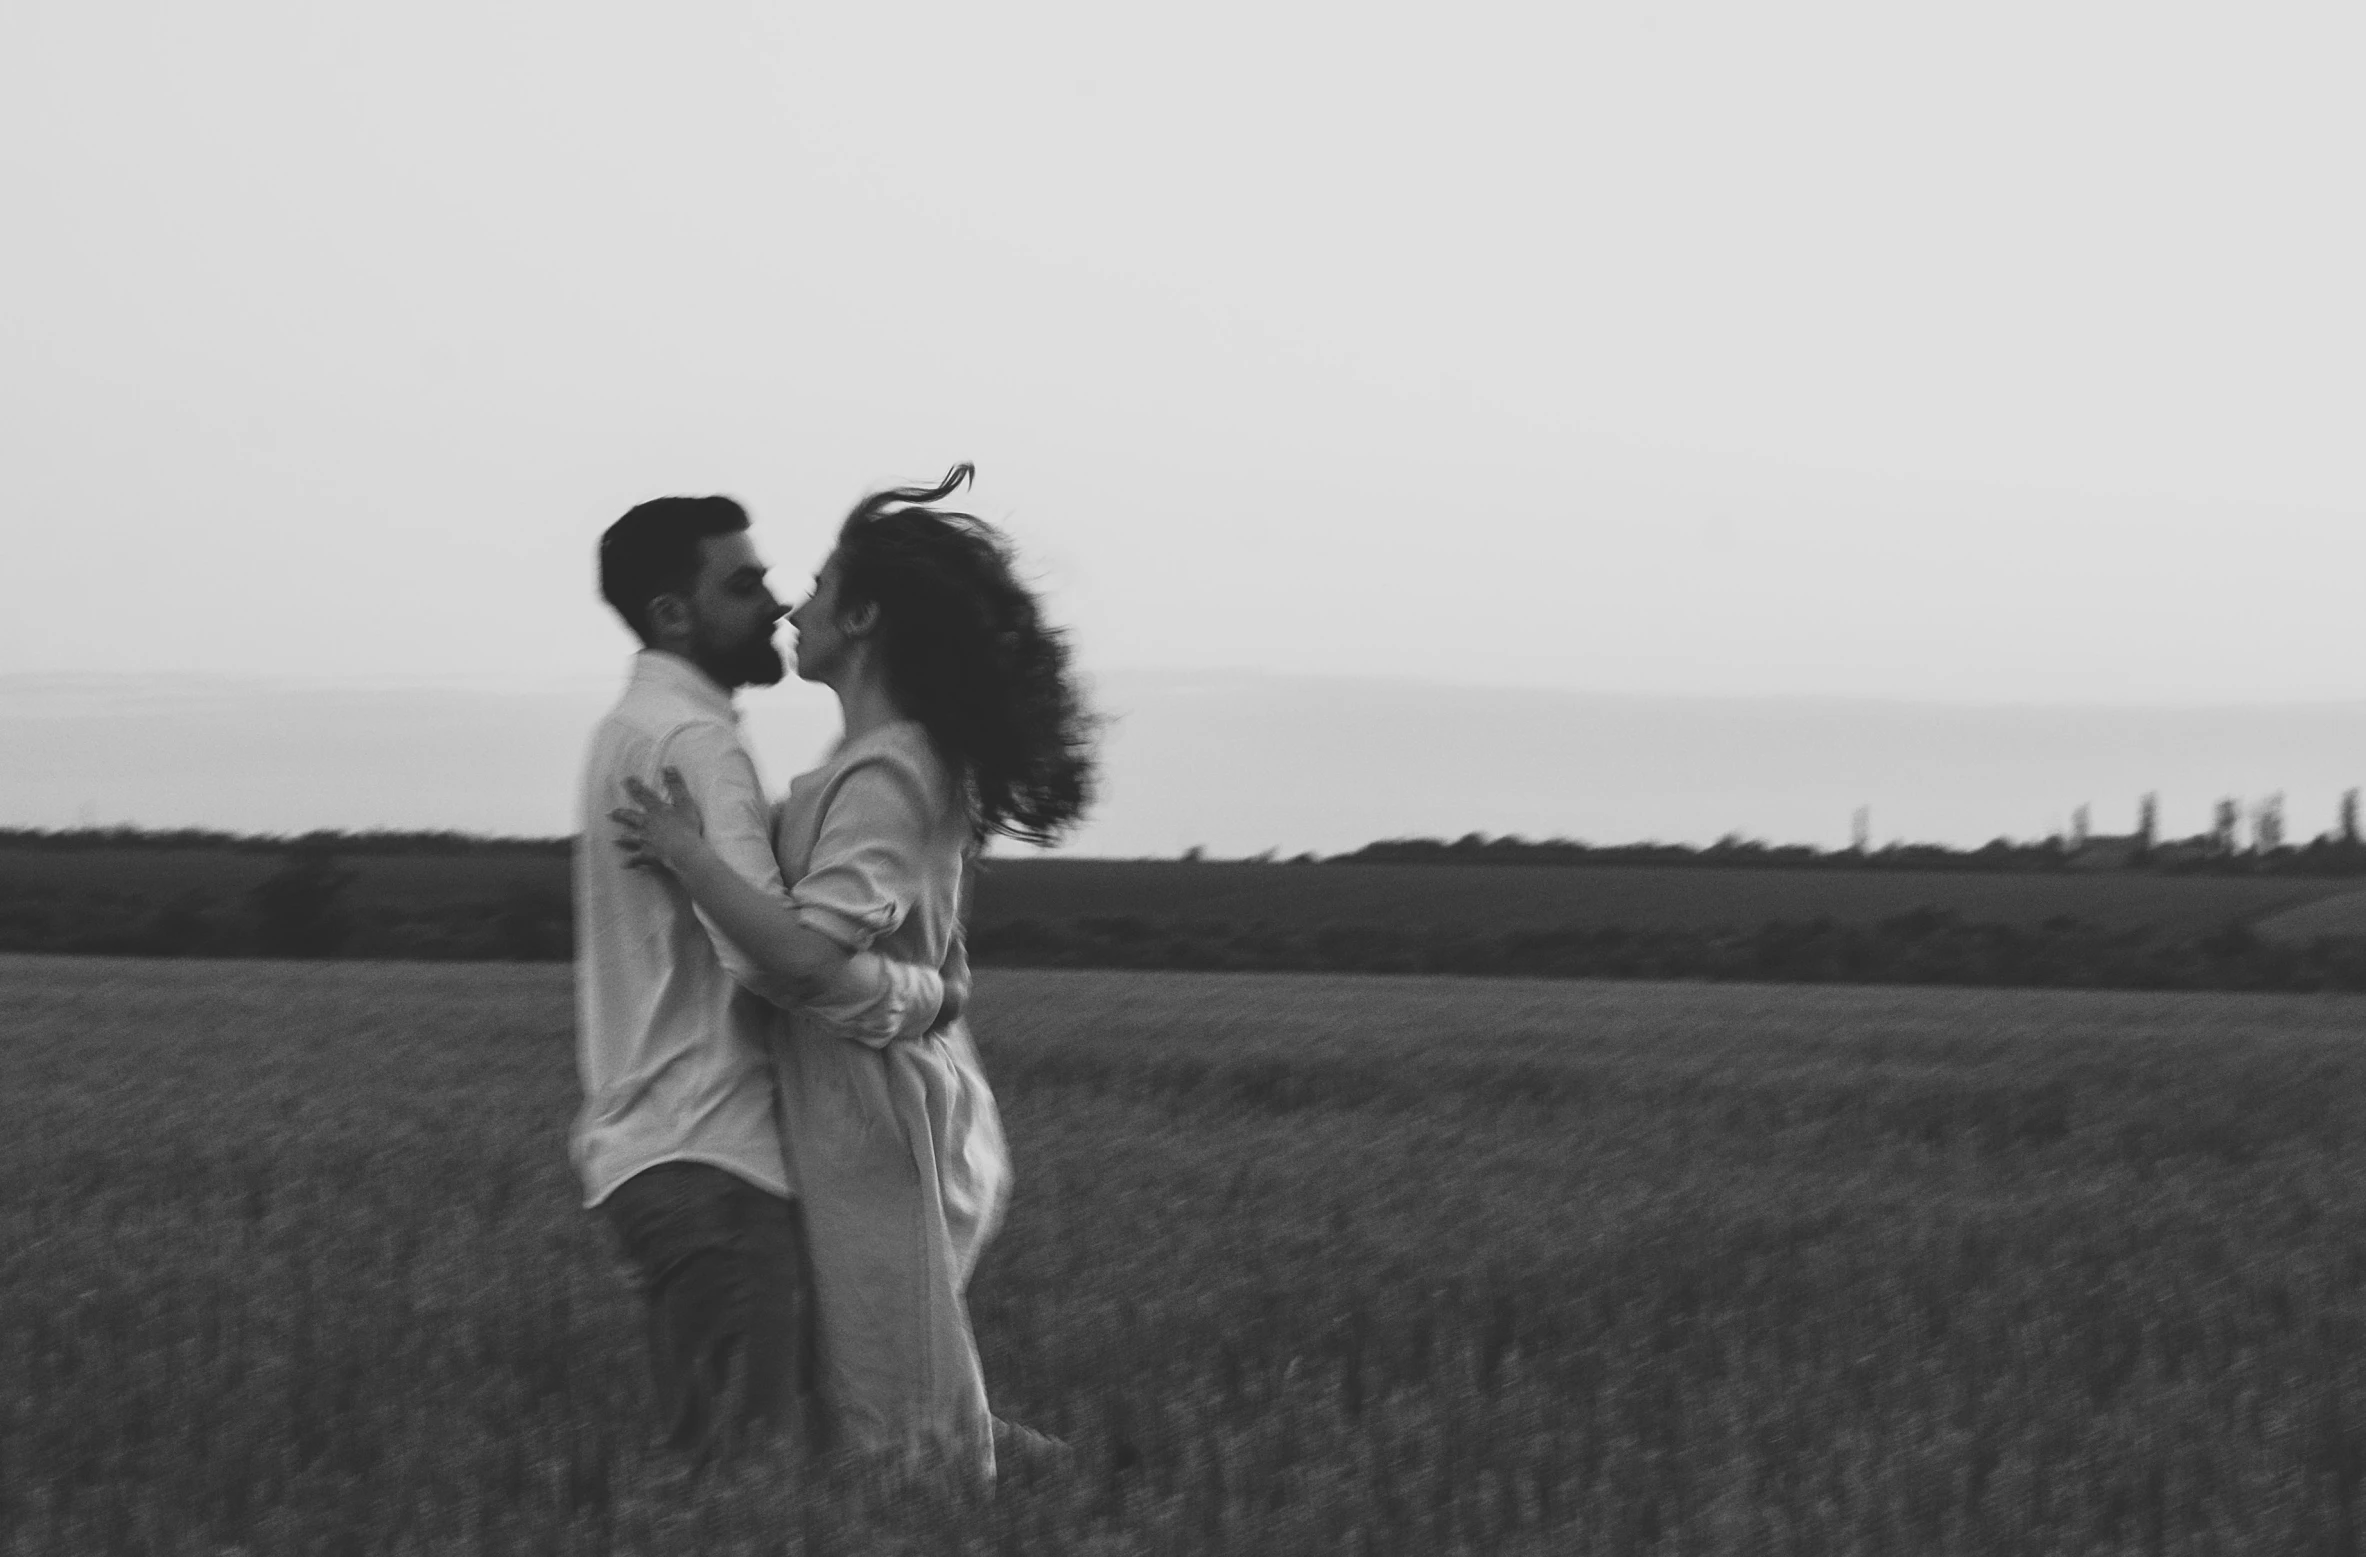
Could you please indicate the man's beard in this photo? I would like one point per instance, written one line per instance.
(755, 662)
(759, 665)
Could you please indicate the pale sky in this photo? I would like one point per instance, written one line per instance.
(1996, 353)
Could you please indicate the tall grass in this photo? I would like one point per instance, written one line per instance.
(292, 1264)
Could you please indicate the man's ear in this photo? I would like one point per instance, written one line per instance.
(669, 617)
(859, 620)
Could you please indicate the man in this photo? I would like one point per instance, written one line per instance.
(677, 1142)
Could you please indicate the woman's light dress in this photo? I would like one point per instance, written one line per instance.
(896, 1150)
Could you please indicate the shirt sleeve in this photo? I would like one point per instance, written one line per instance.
(732, 814)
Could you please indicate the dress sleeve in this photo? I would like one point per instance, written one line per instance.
(868, 864)
(864, 875)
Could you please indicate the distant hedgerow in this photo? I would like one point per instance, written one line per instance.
(1925, 946)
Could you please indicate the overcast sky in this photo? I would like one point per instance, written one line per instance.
(2008, 352)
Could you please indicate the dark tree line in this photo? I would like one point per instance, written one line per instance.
(1924, 946)
(368, 843)
(304, 909)
(2330, 855)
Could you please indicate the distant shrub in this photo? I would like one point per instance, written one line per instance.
(300, 910)
(534, 924)
(188, 926)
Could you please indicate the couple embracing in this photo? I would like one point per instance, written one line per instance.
(784, 1119)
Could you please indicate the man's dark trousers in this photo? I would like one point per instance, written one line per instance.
(720, 1265)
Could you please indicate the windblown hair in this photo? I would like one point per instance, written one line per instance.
(653, 550)
(968, 655)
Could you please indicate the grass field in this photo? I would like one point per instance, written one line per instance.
(292, 1265)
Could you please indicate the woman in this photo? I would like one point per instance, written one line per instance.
(961, 720)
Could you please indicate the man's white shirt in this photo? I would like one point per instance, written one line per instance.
(671, 1015)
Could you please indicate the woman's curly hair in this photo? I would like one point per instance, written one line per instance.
(968, 655)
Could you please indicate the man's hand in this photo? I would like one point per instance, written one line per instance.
(956, 977)
(657, 833)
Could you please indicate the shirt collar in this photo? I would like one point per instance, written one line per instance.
(658, 670)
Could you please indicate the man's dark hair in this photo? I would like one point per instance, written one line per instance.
(653, 550)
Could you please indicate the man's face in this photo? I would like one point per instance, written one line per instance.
(732, 612)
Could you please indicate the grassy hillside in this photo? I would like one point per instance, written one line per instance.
(1301, 1264)
(1466, 897)
(2123, 929)
(1490, 898)
(2342, 914)
(404, 881)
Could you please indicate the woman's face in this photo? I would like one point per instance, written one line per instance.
(821, 637)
